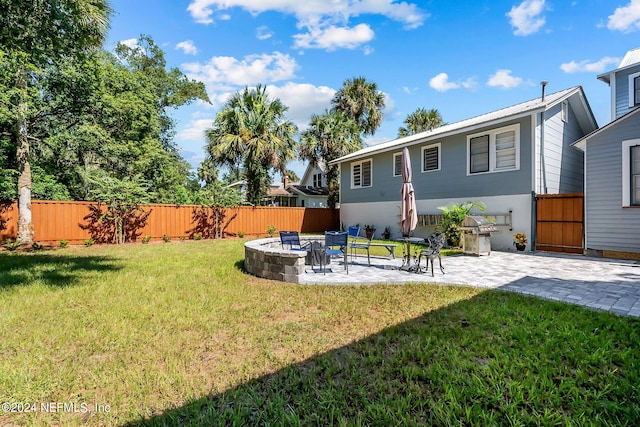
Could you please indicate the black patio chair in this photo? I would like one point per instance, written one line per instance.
(436, 241)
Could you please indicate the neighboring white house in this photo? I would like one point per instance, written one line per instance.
(502, 158)
(312, 190)
(612, 168)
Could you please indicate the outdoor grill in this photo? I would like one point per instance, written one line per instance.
(476, 235)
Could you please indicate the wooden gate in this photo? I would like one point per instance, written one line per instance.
(560, 222)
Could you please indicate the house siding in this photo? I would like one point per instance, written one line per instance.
(622, 90)
(561, 169)
(609, 226)
(451, 181)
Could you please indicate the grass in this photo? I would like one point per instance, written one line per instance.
(177, 334)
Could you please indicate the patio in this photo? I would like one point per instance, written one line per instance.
(597, 283)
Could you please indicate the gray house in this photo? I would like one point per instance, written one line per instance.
(612, 168)
(312, 190)
(502, 158)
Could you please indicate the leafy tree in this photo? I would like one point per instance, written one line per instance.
(292, 176)
(361, 101)
(421, 120)
(452, 217)
(330, 136)
(124, 214)
(211, 217)
(251, 133)
(36, 35)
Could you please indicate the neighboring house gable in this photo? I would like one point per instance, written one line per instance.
(499, 158)
(312, 190)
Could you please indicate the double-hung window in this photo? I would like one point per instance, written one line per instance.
(361, 174)
(431, 158)
(317, 180)
(631, 173)
(494, 151)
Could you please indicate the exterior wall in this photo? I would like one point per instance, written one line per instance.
(451, 181)
(609, 226)
(621, 88)
(559, 167)
(387, 213)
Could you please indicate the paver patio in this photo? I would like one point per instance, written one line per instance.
(596, 283)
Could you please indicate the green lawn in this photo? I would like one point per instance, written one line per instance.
(177, 334)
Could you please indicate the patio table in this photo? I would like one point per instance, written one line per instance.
(408, 263)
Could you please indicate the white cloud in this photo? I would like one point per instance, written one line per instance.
(187, 47)
(504, 79)
(263, 33)
(195, 130)
(441, 83)
(130, 43)
(527, 17)
(325, 22)
(303, 100)
(332, 37)
(589, 67)
(222, 72)
(626, 18)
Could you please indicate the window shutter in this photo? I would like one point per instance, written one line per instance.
(397, 165)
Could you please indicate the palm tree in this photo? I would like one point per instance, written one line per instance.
(250, 133)
(37, 35)
(361, 101)
(421, 120)
(330, 136)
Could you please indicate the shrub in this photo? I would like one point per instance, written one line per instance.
(37, 246)
(11, 244)
(146, 239)
(88, 242)
(63, 244)
(452, 217)
(197, 236)
(241, 234)
(271, 230)
(166, 238)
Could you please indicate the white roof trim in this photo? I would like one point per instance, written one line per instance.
(489, 119)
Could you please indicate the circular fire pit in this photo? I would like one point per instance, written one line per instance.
(266, 258)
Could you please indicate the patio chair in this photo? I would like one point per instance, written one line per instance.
(363, 244)
(291, 240)
(354, 232)
(335, 243)
(436, 241)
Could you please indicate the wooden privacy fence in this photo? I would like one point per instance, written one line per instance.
(61, 220)
(560, 222)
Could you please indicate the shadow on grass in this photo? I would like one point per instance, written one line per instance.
(499, 358)
(18, 269)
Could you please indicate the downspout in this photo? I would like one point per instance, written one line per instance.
(534, 204)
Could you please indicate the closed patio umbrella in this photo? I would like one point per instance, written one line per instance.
(409, 213)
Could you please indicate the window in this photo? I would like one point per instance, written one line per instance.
(361, 174)
(494, 151)
(397, 164)
(631, 173)
(317, 180)
(431, 158)
(565, 111)
(634, 90)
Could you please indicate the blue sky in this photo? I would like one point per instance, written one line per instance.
(464, 58)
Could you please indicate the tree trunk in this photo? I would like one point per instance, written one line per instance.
(25, 220)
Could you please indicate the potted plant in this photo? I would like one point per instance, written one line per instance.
(368, 230)
(520, 241)
(387, 233)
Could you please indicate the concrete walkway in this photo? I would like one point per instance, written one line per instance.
(597, 283)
